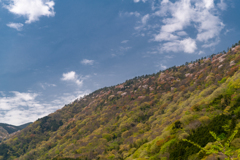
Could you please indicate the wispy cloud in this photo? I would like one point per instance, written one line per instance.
(222, 5)
(136, 14)
(32, 9)
(17, 26)
(19, 108)
(87, 62)
(120, 51)
(45, 85)
(125, 41)
(169, 57)
(145, 19)
(136, 1)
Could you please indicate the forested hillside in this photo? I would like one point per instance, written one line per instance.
(7, 129)
(145, 118)
(11, 128)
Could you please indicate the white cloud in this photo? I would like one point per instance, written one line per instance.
(136, 1)
(169, 57)
(124, 49)
(186, 45)
(31, 9)
(15, 109)
(69, 76)
(177, 17)
(19, 99)
(20, 108)
(125, 41)
(87, 62)
(211, 44)
(161, 66)
(44, 85)
(17, 26)
(73, 77)
(208, 3)
(145, 19)
(137, 14)
(201, 52)
(119, 51)
(165, 36)
(189, 45)
(209, 26)
(222, 5)
(182, 33)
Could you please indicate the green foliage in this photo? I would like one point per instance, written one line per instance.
(223, 80)
(6, 151)
(200, 136)
(177, 125)
(219, 146)
(47, 124)
(107, 136)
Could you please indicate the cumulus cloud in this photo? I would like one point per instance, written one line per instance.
(31, 9)
(17, 26)
(181, 14)
(186, 45)
(175, 18)
(73, 77)
(87, 62)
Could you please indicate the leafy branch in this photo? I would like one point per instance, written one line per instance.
(218, 147)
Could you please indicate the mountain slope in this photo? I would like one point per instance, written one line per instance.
(146, 117)
(11, 128)
(3, 133)
(6, 130)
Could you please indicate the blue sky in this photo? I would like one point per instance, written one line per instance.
(54, 51)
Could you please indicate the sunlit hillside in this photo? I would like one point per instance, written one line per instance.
(144, 118)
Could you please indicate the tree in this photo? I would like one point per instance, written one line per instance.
(219, 147)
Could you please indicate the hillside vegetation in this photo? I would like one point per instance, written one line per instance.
(6, 130)
(145, 118)
(11, 128)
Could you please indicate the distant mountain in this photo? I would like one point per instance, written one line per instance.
(24, 125)
(3, 133)
(145, 118)
(11, 128)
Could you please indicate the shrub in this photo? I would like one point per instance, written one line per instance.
(107, 136)
(223, 80)
(205, 119)
(236, 143)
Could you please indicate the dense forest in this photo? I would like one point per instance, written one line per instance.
(6, 130)
(190, 112)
